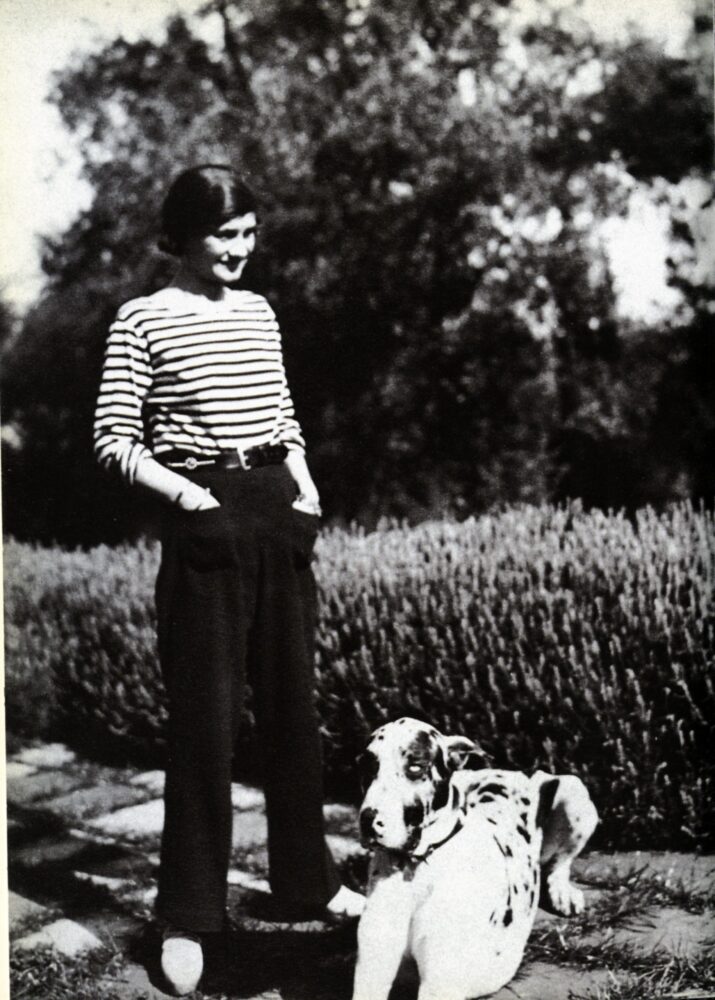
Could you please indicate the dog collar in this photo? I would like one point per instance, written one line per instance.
(411, 861)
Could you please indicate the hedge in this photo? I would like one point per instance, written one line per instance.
(562, 639)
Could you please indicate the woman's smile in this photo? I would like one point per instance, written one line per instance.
(233, 265)
(220, 256)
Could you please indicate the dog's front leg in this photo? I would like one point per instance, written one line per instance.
(382, 937)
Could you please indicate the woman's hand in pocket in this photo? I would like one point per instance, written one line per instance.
(308, 499)
(194, 497)
(307, 504)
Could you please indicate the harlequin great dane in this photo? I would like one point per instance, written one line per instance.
(460, 856)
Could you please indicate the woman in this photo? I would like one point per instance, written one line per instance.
(201, 362)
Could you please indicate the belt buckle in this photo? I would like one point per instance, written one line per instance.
(191, 462)
(243, 459)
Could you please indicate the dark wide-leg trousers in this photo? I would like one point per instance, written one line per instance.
(235, 602)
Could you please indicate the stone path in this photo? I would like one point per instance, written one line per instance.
(84, 842)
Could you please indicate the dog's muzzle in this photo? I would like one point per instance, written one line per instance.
(368, 828)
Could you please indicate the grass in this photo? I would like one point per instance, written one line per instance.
(658, 977)
(43, 974)
(645, 888)
(624, 902)
(629, 902)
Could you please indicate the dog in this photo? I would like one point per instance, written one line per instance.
(461, 857)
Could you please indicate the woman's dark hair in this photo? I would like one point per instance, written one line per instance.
(199, 200)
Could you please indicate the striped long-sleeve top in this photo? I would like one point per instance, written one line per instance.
(182, 374)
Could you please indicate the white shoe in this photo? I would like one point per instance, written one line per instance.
(346, 903)
(182, 963)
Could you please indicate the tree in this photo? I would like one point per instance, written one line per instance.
(451, 329)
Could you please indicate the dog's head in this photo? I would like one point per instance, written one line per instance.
(406, 772)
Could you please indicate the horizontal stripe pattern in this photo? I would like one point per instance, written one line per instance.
(181, 376)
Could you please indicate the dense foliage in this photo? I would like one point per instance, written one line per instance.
(566, 640)
(434, 177)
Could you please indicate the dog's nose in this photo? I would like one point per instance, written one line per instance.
(369, 823)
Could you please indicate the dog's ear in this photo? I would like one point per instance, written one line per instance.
(367, 767)
(464, 754)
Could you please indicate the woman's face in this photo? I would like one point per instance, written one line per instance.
(219, 257)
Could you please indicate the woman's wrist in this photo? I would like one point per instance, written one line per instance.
(175, 489)
(193, 497)
(306, 489)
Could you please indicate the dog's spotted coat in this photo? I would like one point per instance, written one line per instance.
(459, 851)
(506, 802)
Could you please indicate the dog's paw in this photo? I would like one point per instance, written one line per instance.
(562, 896)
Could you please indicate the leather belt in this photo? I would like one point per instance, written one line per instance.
(239, 458)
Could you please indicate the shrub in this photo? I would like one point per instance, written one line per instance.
(568, 640)
(564, 640)
(81, 651)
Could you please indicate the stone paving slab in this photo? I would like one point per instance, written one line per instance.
(341, 820)
(84, 803)
(147, 897)
(50, 851)
(247, 881)
(151, 780)
(663, 929)
(134, 984)
(694, 872)
(42, 785)
(126, 863)
(109, 882)
(65, 936)
(146, 820)
(343, 847)
(339, 812)
(50, 755)
(22, 911)
(250, 830)
(245, 797)
(139, 822)
(133, 822)
(15, 771)
(543, 981)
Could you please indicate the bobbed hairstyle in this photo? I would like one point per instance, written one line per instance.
(199, 200)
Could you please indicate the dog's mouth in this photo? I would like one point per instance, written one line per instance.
(406, 846)
(369, 840)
